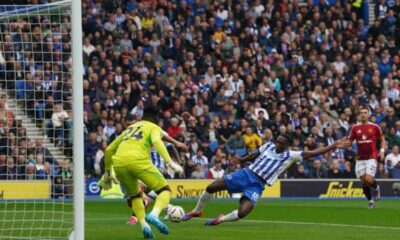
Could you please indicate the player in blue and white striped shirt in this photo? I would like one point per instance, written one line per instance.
(269, 161)
(157, 160)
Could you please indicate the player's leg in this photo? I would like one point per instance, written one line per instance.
(360, 170)
(376, 193)
(216, 186)
(150, 193)
(146, 202)
(145, 189)
(245, 207)
(156, 181)
(366, 170)
(130, 183)
(162, 200)
(366, 188)
(133, 219)
(369, 178)
(251, 194)
(236, 182)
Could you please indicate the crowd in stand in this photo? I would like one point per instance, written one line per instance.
(229, 76)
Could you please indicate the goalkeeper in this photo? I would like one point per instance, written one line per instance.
(129, 154)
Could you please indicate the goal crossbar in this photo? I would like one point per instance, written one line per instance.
(19, 11)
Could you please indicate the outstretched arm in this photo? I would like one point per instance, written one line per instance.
(176, 143)
(156, 140)
(322, 150)
(250, 157)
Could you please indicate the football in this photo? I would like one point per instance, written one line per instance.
(175, 214)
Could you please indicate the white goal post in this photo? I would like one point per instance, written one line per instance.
(41, 121)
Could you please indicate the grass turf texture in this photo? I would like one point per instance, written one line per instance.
(270, 219)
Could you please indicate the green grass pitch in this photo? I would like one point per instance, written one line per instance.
(270, 219)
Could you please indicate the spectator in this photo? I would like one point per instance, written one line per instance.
(91, 148)
(316, 171)
(350, 155)
(189, 168)
(348, 170)
(235, 142)
(11, 169)
(381, 9)
(334, 171)
(42, 151)
(6, 115)
(58, 118)
(173, 129)
(300, 173)
(225, 131)
(198, 173)
(48, 170)
(211, 134)
(30, 172)
(217, 171)
(66, 172)
(252, 140)
(109, 129)
(392, 139)
(21, 167)
(40, 170)
(390, 118)
(392, 159)
(101, 92)
(193, 142)
(58, 190)
(3, 166)
(138, 110)
(216, 156)
(98, 158)
(395, 171)
(380, 173)
(199, 158)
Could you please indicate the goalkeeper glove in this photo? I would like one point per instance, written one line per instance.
(176, 167)
(108, 179)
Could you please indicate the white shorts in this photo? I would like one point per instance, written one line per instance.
(365, 167)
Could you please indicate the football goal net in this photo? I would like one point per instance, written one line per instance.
(41, 133)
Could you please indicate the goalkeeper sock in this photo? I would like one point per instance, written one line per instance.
(162, 201)
(153, 195)
(203, 201)
(233, 216)
(138, 209)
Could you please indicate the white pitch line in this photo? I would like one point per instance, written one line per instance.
(277, 222)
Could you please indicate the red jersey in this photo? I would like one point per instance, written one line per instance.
(367, 136)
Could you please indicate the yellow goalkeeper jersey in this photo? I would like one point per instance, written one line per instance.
(134, 146)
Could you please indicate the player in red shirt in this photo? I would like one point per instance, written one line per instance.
(367, 135)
